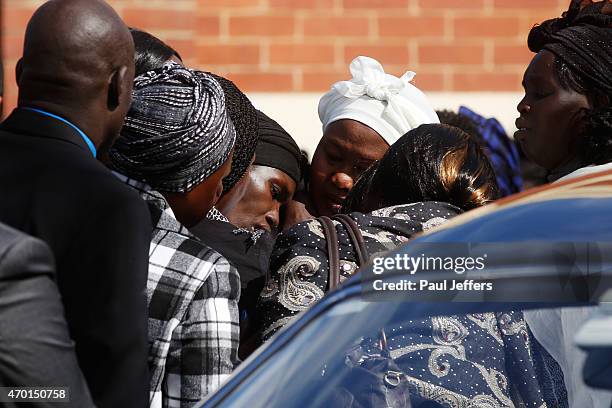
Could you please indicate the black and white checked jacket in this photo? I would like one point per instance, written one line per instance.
(192, 294)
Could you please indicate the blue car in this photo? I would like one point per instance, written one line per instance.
(548, 251)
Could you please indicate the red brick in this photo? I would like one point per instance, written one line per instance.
(301, 4)
(12, 47)
(262, 26)
(301, 54)
(385, 54)
(411, 27)
(429, 81)
(9, 99)
(166, 19)
(208, 25)
(224, 54)
(186, 48)
(534, 17)
(526, 4)
(207, 5)
(451, 54)
(15, 19)
(376, 4)
(486, 27)
(336, 26)
(262, 82)
(512, 54)
(451, 4)
(322, 81)
(486, 81)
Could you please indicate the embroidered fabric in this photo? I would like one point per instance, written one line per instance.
(216, 215)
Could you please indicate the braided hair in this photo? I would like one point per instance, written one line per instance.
(581, 40)
(246, 122)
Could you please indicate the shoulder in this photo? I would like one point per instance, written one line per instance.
(306, 233)
(184, 257)
(85, 184)
(421, 212)
(111, 199)
(21, 254)
(222, 283)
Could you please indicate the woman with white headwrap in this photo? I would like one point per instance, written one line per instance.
(361, 118)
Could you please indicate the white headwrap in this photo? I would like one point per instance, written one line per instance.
(391, 106)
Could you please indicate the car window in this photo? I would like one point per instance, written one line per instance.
(437, 351)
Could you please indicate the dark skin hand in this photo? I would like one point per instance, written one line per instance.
(297, 210)
(60, 72)
(267, 190)
(550, 115)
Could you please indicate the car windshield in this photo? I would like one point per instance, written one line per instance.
(371, 353)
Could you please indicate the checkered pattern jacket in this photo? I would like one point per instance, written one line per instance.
(192, 294)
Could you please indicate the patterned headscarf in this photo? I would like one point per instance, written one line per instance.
(177, 132)
(581, 38)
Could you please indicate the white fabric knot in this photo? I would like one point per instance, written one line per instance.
(369, 78)
(388, 104)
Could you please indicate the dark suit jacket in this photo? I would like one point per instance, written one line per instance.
(35, 348)
(99, 230)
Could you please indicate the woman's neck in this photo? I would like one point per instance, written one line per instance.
(565, 169)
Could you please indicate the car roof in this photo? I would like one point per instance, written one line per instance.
(574, 211)
(593, 186)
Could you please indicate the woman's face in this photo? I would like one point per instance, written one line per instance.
(346, 150)
(190, 208)
(235, 194)
(266, 191)
(207, 193)
(549, 124)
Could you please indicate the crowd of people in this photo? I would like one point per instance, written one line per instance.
(156, 227)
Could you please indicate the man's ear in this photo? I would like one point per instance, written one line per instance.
(18, 70)
(116, 88)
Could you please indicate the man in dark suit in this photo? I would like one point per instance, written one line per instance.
(75, 81)
(35, 347)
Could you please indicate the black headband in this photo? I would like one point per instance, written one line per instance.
(276, 148)
(586, 49)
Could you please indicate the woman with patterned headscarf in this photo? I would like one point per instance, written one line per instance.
(175, 149)
(248, 210)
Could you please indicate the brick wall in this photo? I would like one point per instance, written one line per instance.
(305, 45)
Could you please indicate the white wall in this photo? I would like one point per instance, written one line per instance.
(297, 112)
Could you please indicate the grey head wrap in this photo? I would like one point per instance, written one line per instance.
(177, 132)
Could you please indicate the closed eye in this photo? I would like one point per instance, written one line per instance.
(276, 192)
